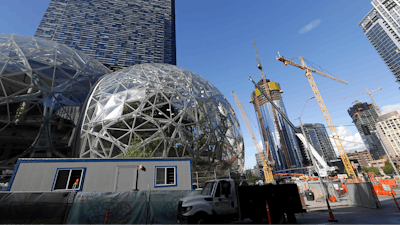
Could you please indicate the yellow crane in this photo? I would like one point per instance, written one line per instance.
(266, 168)
(335, 136)
(372, 99)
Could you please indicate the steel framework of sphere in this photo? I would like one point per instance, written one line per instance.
(42, 88)
(161, 110)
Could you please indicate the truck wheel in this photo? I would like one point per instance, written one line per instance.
(201, 218)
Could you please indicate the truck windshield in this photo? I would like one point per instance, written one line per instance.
(208, 188)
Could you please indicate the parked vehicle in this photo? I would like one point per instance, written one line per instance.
(225, 200)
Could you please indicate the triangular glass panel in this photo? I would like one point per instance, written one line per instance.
(127, 109)
(60, 74)
(10, 50)
(29, 45)
(120, 125)
(27, 50)
(70, 71)
(22, 41)
(48, 72)
(34, 64)
(45, 44)
(13, 67)
(4, 40)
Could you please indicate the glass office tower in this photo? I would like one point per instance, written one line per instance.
(318, 137)
(115, 32)
(382, 27)
(279, 135)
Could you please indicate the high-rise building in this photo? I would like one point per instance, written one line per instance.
(388, 127)
(382, 27)
(275, 131)
(115, 32)
(318, 137)
(364, 116)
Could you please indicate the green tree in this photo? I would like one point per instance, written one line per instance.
(136, 150)
(375, 170)
(365, 169)
(388, 169)
(252, 177)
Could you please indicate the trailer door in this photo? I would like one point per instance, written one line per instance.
(126, 178)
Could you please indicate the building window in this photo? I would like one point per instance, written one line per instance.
(165, 176)
(68, 179)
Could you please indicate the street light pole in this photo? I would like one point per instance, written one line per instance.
(309, 152)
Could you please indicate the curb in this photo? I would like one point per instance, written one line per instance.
(325, 207)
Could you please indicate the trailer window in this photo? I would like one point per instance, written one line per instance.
(165, 176)
(68, 179)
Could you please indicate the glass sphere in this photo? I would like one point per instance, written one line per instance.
(161, 110)
(42, 88)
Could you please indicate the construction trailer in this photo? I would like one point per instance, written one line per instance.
(101, 175)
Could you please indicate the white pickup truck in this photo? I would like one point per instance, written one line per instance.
(224, 200)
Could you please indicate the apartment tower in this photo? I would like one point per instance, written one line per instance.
(382, 27)
(388, 126)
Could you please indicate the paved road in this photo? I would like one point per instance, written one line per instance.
(318, 213)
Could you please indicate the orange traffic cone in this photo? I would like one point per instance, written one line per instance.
(106, 219)
(269, 215)
(332, 219)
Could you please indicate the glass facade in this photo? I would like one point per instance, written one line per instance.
(161, 110)
(318, 137)
(115, 32)
(43, 86)
(280, 136)
(364, 116)
(382, 28)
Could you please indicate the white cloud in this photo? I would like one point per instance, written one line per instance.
(350, 142)
(390, 108)
(310, 26)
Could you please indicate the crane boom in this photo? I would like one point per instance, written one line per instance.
(358, 94)
(335, 136)
(258, 61)
(266, 168)
(286, 62)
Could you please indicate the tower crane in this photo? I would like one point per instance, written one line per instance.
(372, 99)
(335, 136)
(258, 61)
(266, 168)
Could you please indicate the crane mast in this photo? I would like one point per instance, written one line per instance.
(266, 168)
(335, 136)
(373, 102)
(258, 61)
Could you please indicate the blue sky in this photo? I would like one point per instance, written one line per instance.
(215, 40)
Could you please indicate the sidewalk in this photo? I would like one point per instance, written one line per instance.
(388, 214)
(344, 202)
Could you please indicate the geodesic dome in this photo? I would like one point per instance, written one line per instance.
(161, 110)
(42, 88)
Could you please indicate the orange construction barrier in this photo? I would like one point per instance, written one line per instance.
(380, 191)
(332, 198)
(345, 188)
